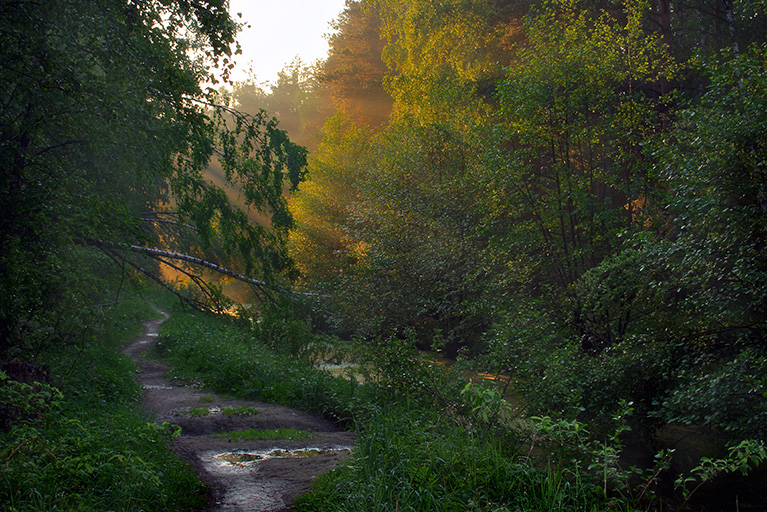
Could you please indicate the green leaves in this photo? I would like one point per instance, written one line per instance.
(577, 106)
(741, 458)
(106, 139)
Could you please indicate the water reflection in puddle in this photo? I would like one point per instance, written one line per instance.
(247, 458)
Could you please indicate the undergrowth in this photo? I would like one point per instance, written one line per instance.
(81, 441)
(423, 441)
(226, 359)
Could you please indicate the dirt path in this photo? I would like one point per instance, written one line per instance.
(244, 475)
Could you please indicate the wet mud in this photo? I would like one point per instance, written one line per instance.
(246, 475)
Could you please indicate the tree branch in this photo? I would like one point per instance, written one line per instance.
(159, 254)
(197, 261)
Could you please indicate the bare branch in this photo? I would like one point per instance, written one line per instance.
(160, 254)
(59, 145)
(157, 212)
(193, 303)
(197, 261)
(171, 222)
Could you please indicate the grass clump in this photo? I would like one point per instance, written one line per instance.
(279, 433)
(240, 411)
(197, 412)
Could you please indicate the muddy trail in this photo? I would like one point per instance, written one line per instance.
(243, 474)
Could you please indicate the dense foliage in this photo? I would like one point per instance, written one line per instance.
(105, 136)
(426, 439)
(572, 193)
(567, 193)
(77, 439)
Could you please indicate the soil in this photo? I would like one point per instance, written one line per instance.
(243, 475)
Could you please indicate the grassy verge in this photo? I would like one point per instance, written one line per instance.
(226, 359)
(82, 442)
(422, 443)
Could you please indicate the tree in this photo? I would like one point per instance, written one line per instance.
(577, 106)
(439, 54)
(399, 219)
(105, 136)
(354, 72)
(716, 170)
(323, 243)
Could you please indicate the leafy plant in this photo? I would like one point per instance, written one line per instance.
(83, 444)
(741, 457)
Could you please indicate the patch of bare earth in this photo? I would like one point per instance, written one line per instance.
(243, 475)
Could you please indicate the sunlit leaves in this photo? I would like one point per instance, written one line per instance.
(323, 242)
(579, 102)
(106, 135)
(354, 72)
(438, 52)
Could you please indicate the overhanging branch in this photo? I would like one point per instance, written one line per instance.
(197, 261)
(160, 254)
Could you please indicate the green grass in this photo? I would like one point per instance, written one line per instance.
(196, 412)
(207, 399)
(240, 411)
(418, 448)
(408, 461)
(227, 360)
(88, 445)
(280, 433)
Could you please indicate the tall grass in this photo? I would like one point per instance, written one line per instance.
(225, 358)
(87, 445)
(420, 445)
(406, 462)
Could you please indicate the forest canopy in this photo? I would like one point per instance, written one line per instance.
(106, 134)
(568, 196)
(573, 192)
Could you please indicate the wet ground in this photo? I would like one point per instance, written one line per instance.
(252, 475)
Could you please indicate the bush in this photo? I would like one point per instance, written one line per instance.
(85, 444)
(729, 395)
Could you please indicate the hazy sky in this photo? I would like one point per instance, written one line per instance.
(279, 31)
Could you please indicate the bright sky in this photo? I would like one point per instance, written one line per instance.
(279, 31)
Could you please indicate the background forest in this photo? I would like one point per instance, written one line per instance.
(569, 194)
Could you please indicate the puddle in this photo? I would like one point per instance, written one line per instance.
(154, 386)
(243, 459)
(348, 371)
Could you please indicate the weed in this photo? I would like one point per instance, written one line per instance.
(196, 412)
(740, 458)
(240, 411)
(280, 433)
